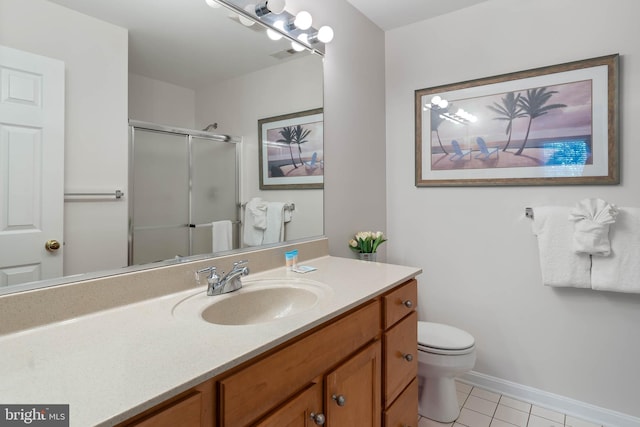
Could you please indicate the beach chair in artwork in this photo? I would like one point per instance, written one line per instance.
(311, 165)
(484, 151)
(458, 152)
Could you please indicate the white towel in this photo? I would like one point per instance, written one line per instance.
(221, 236)
(255, 217)
(274, 232)
(560, 265)
(620, 272)
(592, 218)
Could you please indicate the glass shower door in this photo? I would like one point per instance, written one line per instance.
(214, 190)
(160, 206)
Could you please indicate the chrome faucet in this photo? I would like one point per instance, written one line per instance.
(230, 282)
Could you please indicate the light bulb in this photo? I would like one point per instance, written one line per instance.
(297, 46)
(325, 34)
(274, 35)
(303, 20)
(436, 100)
(443, 103)
(270, 6)
(213, 3)
(244, 20)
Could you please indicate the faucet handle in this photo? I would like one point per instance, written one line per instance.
(242, 263)
(211, 270)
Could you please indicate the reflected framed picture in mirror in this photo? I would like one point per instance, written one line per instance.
(290, 148)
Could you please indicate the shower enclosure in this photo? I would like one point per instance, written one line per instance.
(180, 182)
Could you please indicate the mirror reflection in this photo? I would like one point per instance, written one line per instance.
(180, 66)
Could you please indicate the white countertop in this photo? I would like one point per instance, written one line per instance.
(113, 364)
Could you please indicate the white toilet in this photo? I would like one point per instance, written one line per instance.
(444, 352)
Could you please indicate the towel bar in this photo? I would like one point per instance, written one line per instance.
(287, 207)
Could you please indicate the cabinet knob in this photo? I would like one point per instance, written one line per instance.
(319, 419)
(407, 303)
(408, 357)
(340, 400)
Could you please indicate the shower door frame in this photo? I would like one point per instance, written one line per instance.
(189, 134)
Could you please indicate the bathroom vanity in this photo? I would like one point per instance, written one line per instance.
(350, 359)
(357, 369)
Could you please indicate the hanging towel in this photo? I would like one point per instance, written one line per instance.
(591, 218)
(255, 222)
(274, 232)
(560, 265)
(620, 272)
(221, 236)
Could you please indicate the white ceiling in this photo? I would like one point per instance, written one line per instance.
(390, 14)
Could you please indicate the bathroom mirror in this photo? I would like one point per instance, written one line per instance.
(180, 64)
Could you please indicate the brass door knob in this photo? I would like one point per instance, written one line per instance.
(52, 245)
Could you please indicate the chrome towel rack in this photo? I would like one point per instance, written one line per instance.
(287, 207)
(117, 195)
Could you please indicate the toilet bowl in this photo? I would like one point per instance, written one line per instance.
(444, 352)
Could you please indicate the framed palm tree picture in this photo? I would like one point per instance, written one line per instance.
(291, 151)
(550, 125)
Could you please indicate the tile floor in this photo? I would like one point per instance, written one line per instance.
(482, 408)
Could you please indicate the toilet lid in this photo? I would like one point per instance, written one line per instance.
(444, 337)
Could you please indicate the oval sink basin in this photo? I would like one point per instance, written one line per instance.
(258, 301)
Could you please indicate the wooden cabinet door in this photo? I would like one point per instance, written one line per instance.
(297, 412)
(404, 411)
(353, 390)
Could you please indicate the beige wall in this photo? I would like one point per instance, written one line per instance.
(476, 247)
(95, 57)
(155, 101)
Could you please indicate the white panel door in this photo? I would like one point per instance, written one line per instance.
(31, 166)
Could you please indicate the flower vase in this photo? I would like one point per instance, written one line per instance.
(368, 256)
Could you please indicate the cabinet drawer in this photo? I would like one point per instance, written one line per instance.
(400, 345)
(261, 386)
(400, 302)
(404, 411)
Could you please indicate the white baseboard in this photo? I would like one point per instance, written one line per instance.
(565, 405)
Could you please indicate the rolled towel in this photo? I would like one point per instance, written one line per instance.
(592, 218)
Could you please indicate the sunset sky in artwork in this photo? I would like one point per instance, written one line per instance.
(573, 120)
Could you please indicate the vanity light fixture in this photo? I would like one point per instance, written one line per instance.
(213, 3)
(279, 23)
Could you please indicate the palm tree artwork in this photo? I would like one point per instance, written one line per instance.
(508, 111)
(533, 105)
(300, 134)
(436, 121)
(289, 137)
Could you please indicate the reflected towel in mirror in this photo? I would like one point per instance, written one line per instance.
(221, 236)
